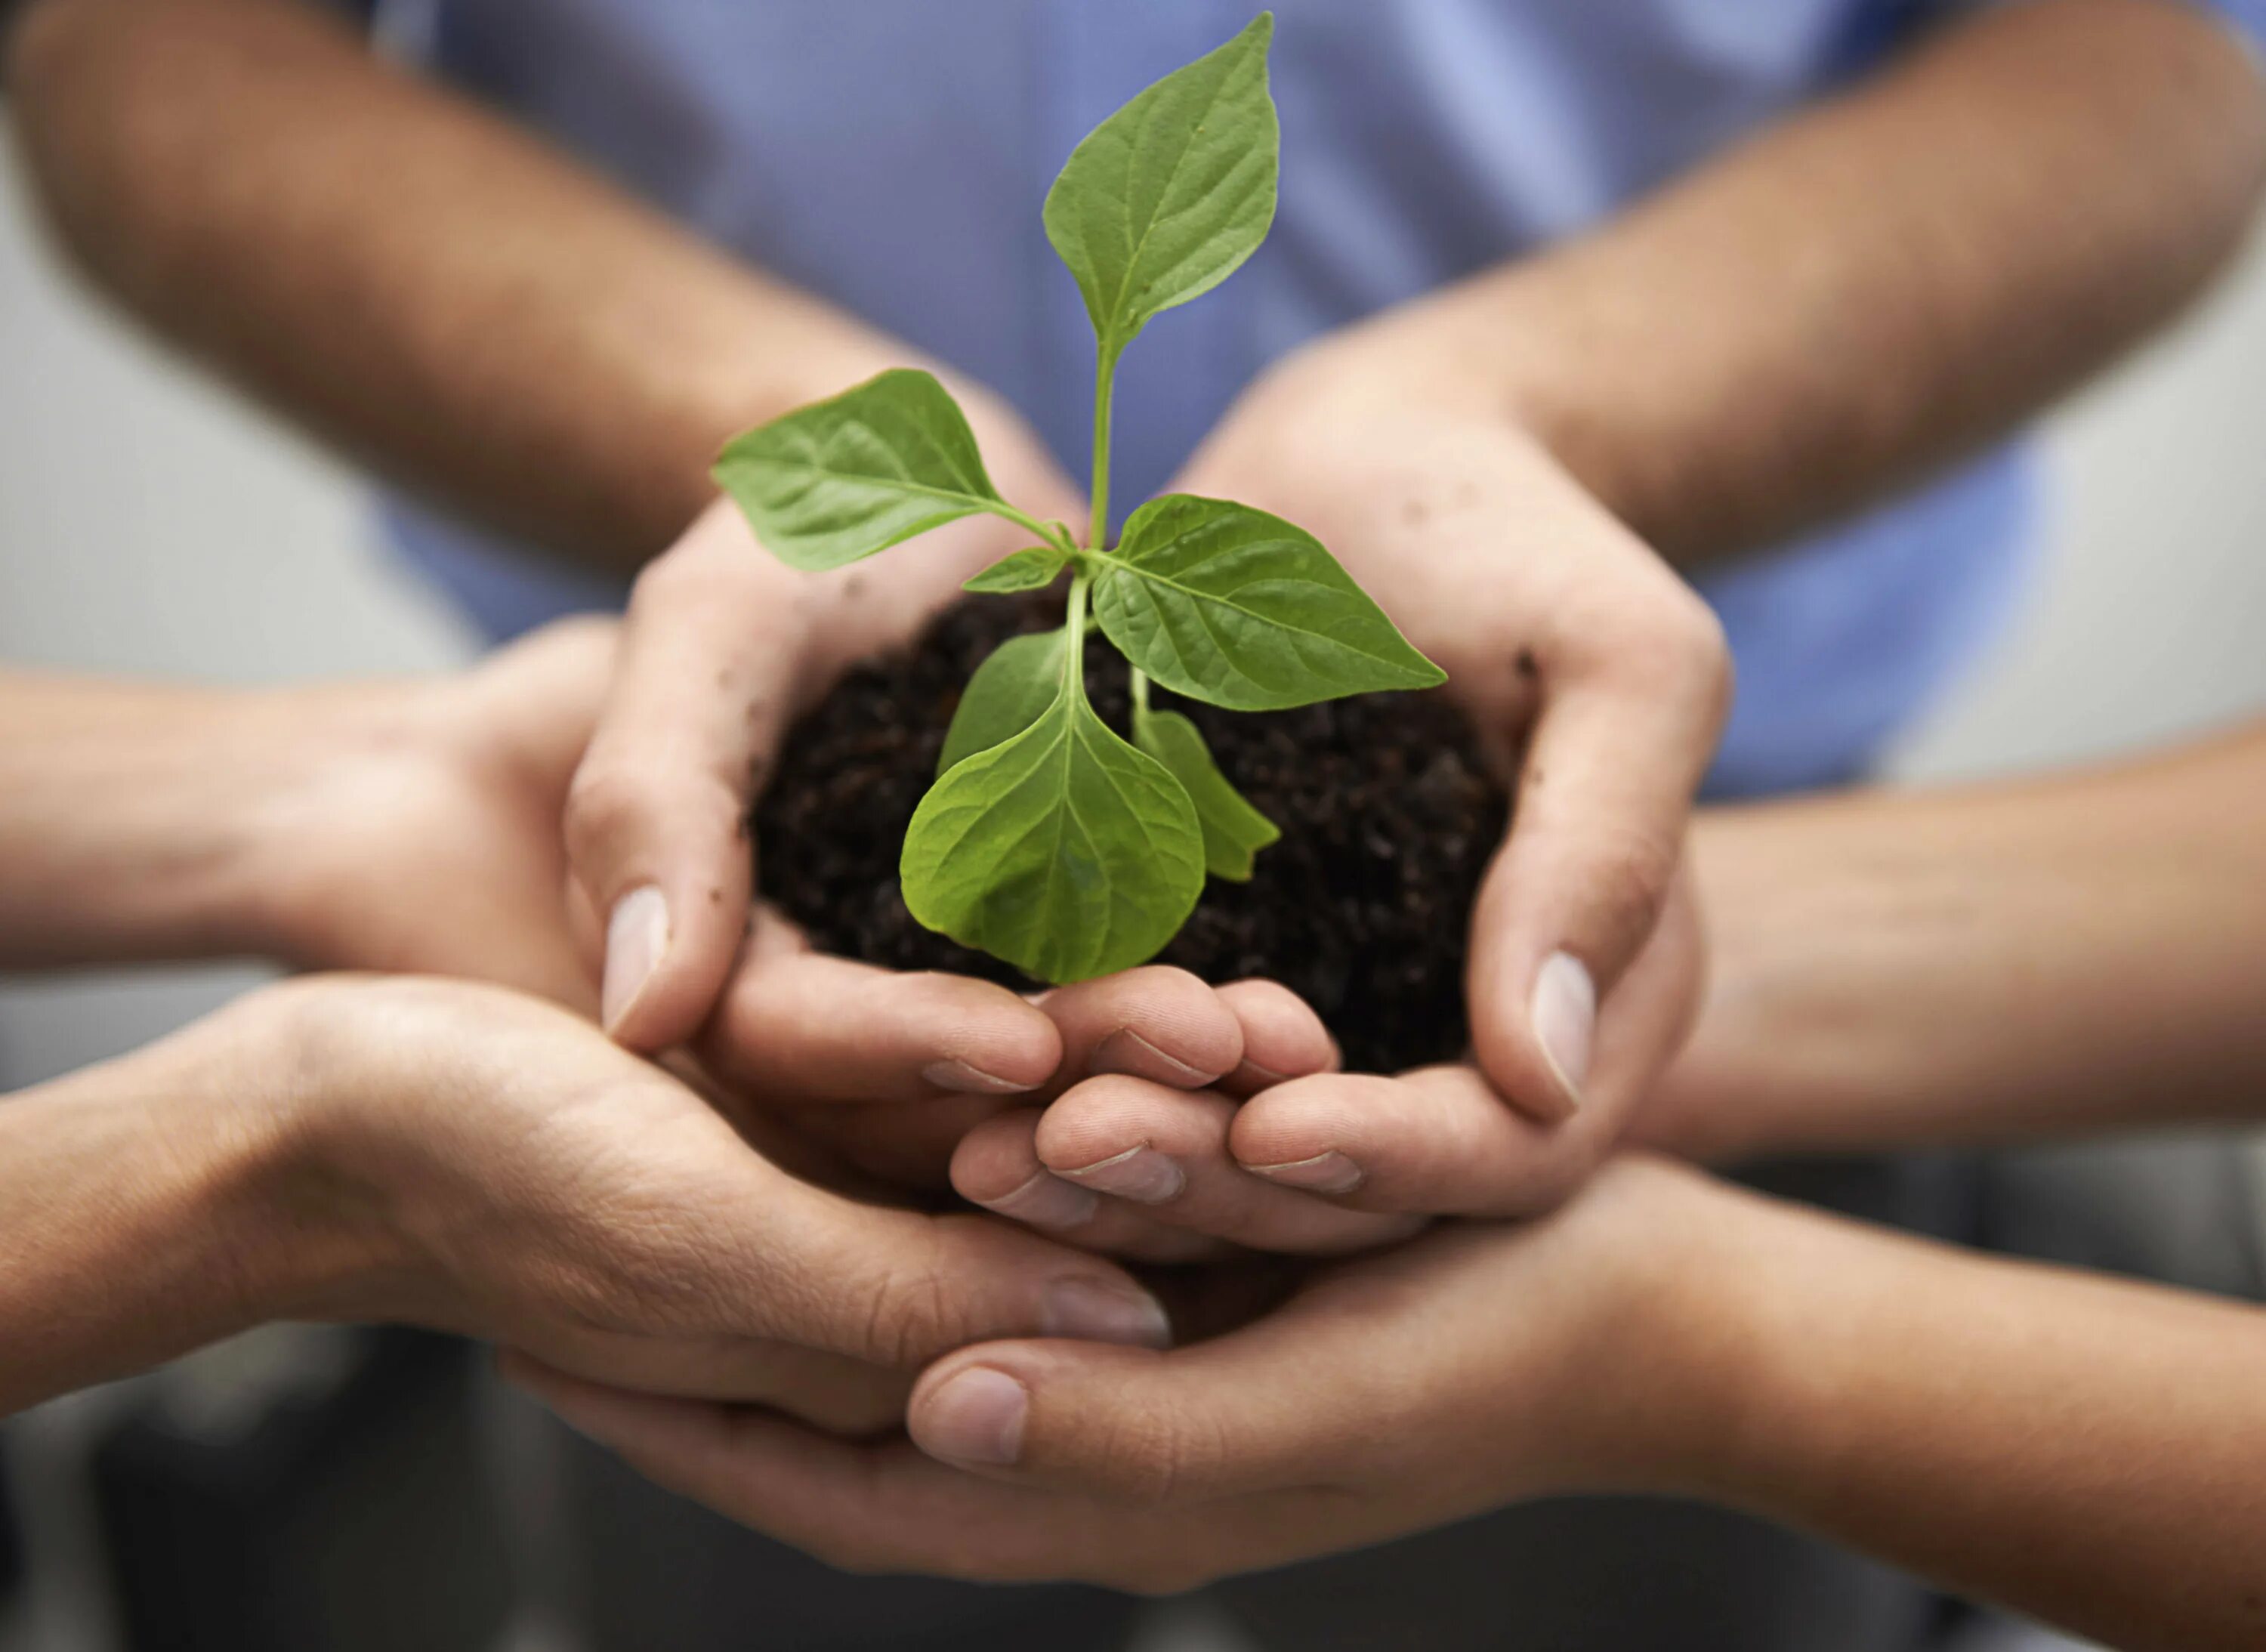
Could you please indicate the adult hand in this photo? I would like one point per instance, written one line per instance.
(414, 828)
(419, 829)
(493, 1165)
(723, 646)
(1389, 1395)
(1579, 653)
(1334, 1161)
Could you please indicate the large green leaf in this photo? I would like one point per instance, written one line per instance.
(1237, 608)
(1233, 830)
(1166, 197)
(1010, 692)
(858, 472)
(1064, 851)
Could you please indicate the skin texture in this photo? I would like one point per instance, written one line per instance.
(381, 1148)
(1887, 282)
(2079, 1449)
(396, 1150)
(2084, 950)
(2080, 952)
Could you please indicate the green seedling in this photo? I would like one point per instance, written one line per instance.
(1047, 840)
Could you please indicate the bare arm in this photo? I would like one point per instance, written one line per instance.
(437, 293)
(2076, 953)
(2086, 1451)
(1881, 285)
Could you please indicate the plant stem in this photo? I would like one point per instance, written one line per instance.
(1074, 637)
(1105, 385)
(1140, 695)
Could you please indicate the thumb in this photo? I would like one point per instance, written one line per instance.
(655, 825)
(1214, 1419)
(1595, 842)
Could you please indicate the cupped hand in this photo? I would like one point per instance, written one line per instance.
(508, 1172)
(1582, 658)
(723, 646)
(890, 1072)
(1471, 1368)
(420, 833)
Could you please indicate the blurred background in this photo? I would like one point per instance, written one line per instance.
(149, 524)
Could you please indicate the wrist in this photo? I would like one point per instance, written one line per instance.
(157, 1203)
(328, 759)
(1664, 1393)
(306, 1196)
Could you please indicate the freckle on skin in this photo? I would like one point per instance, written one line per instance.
(1416, 513)
(716, 897)
(851, 584)
(1527, 669)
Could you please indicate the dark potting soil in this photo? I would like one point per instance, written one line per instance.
(1387, 811)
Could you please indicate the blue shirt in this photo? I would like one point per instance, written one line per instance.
(891, 155)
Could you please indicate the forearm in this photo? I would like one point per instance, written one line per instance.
(143, 1212)
(2088, 1451)
(142, 823)
(2075, 953)
(440, 295)
(1880, 286)
(130, 820)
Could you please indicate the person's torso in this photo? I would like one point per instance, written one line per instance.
(891, 156)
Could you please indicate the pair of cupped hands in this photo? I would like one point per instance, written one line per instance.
(717, 1228)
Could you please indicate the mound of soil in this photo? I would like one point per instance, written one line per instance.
(1387, 810)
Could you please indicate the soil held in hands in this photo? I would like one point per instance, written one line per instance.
(1388, 816)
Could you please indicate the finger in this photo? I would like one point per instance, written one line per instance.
(997, 1165)
(1439, 1140)
(842, 1396)
(895, 1288)
(1155, 1022)
(800, 1028)
(1627, 727)
(1282, 1037)
(1166, 1151)
(549, 687)
(882, 1506)
(1270, 1406)
(656, 817)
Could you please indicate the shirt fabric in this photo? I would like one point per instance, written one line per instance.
(891, 156)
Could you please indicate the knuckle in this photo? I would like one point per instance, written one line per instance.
(1626, 880)
(1680, 646)
(1151, 1458)
(608, 803)
(912, 1314)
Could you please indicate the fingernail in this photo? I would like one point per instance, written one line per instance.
(1125, 1050)
(1565, 1018)
(957, 1075)
(637, 937)
(1047, 1200)
(975, 1417)
(1324, 1173)
(1142, 1174)
(1090, 1311)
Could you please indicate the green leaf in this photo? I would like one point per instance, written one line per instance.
(1020, 571)
(1165, 199)
(1010, 692)
(858, 472)
(1232, 606)
(1064, 851)
(1233, 830)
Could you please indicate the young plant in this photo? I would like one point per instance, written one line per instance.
(1047, 840)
